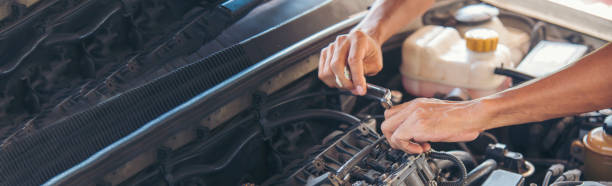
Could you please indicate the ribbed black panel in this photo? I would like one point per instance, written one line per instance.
(35, 159)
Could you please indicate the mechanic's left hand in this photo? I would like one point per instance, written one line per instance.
(410, 126)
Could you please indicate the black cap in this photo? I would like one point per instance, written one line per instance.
(607, 127)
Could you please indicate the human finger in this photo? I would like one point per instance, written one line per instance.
(355, 63)
(338, 64)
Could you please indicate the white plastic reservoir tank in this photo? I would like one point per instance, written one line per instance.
(436, 59)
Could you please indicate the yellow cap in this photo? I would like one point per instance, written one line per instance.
(481, 40)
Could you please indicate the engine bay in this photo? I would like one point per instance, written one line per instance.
(308, 134)
(294, 130)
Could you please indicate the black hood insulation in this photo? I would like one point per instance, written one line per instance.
(34, 160)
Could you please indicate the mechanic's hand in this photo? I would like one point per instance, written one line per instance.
(361, 52)
(410, 126)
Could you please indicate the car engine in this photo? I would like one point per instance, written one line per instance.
(173, 109)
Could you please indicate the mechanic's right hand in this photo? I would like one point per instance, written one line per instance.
(412, 125)
(361, 52)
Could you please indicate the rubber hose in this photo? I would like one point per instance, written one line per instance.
(465, 157)
(275, 104)
(447, 156)
(314, 114)
(480, 171)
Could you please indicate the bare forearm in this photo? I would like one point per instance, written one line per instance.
(585, 86)
(387, 17)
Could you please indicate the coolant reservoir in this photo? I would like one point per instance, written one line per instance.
(486, 16)
(436, 59)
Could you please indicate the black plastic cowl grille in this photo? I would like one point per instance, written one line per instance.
(35, 159)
